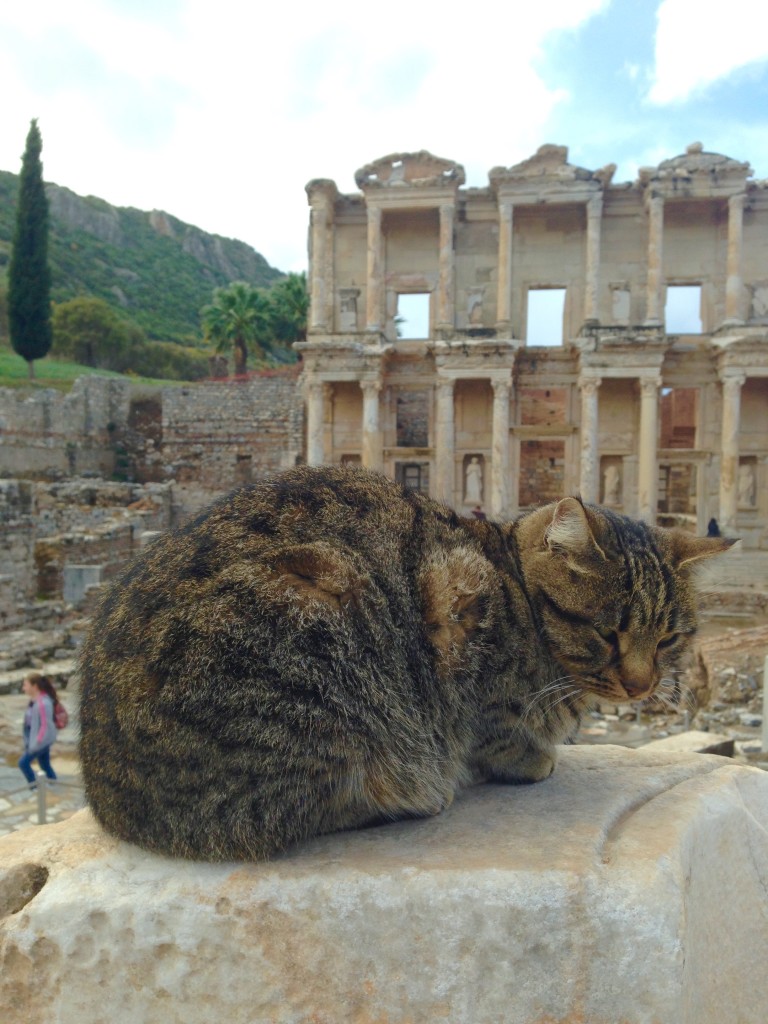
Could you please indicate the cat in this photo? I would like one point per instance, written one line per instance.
(326, 650)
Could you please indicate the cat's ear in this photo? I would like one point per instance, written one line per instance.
(689, 550)
(570, 530)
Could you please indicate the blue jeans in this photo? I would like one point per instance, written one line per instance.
(44, 760)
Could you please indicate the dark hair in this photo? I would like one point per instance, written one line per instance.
(43, 683)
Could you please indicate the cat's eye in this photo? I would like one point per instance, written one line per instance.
(669, 641)
(607, 634)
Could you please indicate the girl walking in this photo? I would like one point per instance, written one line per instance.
(39, 727)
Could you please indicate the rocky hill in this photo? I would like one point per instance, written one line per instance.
(153, 267)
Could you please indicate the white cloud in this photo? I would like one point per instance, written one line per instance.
(220, 114)
(696, 45)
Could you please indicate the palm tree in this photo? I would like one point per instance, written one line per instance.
(289, 303)
(238, 316)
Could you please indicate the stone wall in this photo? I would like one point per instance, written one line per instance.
(215, 435)
(169, 451)
(49, 433)
(220, 434)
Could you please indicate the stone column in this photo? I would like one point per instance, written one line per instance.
(592, 282)
(504, 275)
(589, 483)
(653, 314)
(444, 441)
(372, 445)
(502, 390)
(375, 271)
(729, 459)
(733, 284)
(647, 468)
(445, 288)
(316, 392)
(318, 305)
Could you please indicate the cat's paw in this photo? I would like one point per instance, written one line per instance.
(534, 766)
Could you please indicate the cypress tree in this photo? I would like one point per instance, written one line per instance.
(29, 277)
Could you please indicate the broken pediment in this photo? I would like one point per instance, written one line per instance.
(410, 170)
(549, 165)
(698, 168)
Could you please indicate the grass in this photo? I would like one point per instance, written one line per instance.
(55, 373)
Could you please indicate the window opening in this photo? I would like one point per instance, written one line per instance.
(413, 475)
(546, 308)
(682, 314)
(412, 318)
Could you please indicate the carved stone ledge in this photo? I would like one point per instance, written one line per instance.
(629, 886)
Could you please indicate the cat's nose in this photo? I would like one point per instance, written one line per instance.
(637, 689)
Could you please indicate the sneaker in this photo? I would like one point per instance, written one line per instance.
(32, 786)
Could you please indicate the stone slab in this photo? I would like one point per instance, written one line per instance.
(694, 741)
(630, 888)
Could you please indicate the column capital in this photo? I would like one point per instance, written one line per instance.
(733, 378)
(589, 385)
(445, 386)
(318, 388)
(502, 387)
(649, 386)
(654, 201)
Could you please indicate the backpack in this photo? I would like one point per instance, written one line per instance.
(60, 715)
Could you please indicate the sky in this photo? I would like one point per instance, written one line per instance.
(220, 113)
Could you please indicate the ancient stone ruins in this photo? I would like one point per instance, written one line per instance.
(496, 347)
(483, 406)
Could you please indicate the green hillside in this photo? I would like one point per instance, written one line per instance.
(154, 268)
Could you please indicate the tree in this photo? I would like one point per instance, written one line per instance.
(289, 302)
(29, 277)
(88, 331)
(238, 317)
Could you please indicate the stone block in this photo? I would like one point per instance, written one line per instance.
(77, 580)
(630, 887)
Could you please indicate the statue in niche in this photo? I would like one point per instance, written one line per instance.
(475, 306)
(747, 484)
(348, 309)
(612, 485)
(473, 481)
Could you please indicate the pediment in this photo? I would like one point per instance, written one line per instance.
(410, 170)
(549, 165)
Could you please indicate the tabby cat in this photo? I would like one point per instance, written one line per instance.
(326, 650)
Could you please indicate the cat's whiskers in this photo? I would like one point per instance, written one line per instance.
(674, 695)
(554, 686)
(560, 692)
(571, 692)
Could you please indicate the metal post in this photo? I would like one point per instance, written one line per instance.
(42, 790)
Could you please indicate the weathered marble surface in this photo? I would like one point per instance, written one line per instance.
(630, 887)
